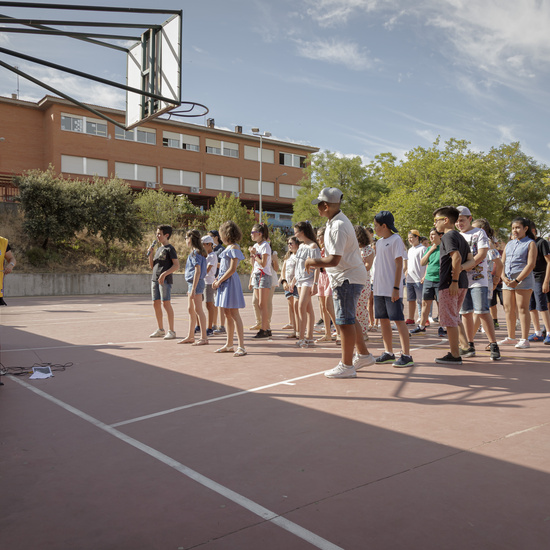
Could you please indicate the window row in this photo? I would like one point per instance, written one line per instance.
(139, 172)
(87, 125)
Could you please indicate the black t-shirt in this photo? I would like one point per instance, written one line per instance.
(543, 249)
(163, 261)
(451, 241)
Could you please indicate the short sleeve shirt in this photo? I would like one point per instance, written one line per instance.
(450, 242)
(211, 260)
(415, 270)
(340, 240)
(193, 260)
(387, 251)
(477, 239)
(432, 269)
(262, 249)
(163, 261)
(543, 250)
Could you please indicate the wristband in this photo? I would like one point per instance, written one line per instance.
(396, 288)
(517, 281)
(455, 280)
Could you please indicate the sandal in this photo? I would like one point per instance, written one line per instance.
(288, 326)
(293, 335)
(186, 341)
(225, 349)
(325, 338)
(201, 342)
(240, 352)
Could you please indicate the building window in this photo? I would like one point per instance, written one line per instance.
(180, 141)
(181, 177)
(84, 166)
(143, 135)
(288, 159)
(222, 183)
(287, 191)
(83, 125)
(253, 153)
(225, 148)
(252, 187)
(137, 172)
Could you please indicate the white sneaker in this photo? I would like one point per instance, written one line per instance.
(159, 333)
(341, 371)
(360, 361)
(508, 342)
(523, 344)
(170, 335)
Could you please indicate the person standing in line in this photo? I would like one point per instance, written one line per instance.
(519, 259)
(539, 298)
(195, 273)
(414, 275)
(287, 274)
(455, 257)
(260, 279)
(7, 263)
(430, 287)
(230, 292)
(348, 276)
(388, 289)
(476, 302)
(218, 249)
(211, 268)
(163, 263)
(367, 255)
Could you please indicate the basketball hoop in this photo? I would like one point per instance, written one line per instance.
(187, 113)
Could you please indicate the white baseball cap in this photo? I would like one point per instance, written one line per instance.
(329, 194)
(207, 239)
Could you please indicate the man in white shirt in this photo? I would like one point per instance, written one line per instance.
(476, 302)
(348, 276)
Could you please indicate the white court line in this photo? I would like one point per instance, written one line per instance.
(213, 400)
(225, 492)
(152, 341)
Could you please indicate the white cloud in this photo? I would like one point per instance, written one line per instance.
(337, 52)
(428, 135)
(331, 13)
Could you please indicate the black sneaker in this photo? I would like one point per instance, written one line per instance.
(442, 333)
(449, 359)
(418, 330)
(470, 352)
(261, 334)
(197, 329)
(385, 358)
(495, 352)
(404, 361)
(269, 333)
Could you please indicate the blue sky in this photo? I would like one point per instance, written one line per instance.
(357, 77)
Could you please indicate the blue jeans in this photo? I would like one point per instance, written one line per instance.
(476, 301)
(161, 292)
(345, 299)
(384, 308)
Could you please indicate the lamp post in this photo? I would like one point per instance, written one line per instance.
(256, 132)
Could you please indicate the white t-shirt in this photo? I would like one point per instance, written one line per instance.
(303, 278)
(262, 249)
(290, 268)
(211, 259)
(415, 271)
(477, 239)
(387, 250)
(340, 240)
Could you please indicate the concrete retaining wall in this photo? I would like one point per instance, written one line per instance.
(49, 284)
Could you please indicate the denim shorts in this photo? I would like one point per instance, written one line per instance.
(261, 281)
(430, 290)
(384, 308)
(527, 284)
(161, 292)
(345, 299)
(200, 286)
(476, 301)
(209, 293)
(294, 293)
(414, 292)
(539, 300)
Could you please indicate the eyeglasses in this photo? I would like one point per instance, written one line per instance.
(252, 232)
(440, 218)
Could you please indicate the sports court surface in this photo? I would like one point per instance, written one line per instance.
(146, 444)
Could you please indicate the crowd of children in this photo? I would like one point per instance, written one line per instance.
(360, 283)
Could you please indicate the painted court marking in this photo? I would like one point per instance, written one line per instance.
(225, 492)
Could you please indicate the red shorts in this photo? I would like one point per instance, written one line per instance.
(449, 307)
(323, 285)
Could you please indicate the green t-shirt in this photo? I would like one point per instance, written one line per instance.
(432, 269)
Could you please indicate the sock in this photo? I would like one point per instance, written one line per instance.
(538, 332)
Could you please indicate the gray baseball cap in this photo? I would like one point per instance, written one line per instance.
(329, 194)
(463, 211)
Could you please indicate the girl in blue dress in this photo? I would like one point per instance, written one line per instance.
(230, 293)
(195, 272)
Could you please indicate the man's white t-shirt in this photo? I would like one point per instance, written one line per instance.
(415, 271)
(477, 239)
(340, 240)
(211, 259)
(387, 250)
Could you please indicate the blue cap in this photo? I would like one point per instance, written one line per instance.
(386, 217)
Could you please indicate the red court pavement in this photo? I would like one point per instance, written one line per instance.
(146, 444)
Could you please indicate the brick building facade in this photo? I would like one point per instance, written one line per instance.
(198, 161)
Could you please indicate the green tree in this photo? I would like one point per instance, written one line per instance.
(111, 211)
(159, 207)
(361, 186)
(230, 207)
(496, 186)
(52, 207)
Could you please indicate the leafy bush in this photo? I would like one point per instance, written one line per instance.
(159, 207)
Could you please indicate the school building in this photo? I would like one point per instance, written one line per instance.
(178, 157)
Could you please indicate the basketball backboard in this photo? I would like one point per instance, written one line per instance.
(154, 66)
